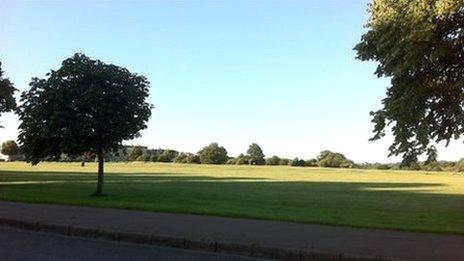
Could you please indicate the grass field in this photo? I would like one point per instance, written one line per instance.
(405, 200)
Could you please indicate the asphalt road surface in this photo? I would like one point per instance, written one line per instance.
(18, 244)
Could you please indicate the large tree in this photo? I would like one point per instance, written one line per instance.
(419, 45)
(213, 154)
(7, 101)
(256, 154)
(85, 106)
(10, 148)
(329, 159)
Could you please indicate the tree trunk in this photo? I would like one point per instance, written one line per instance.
(101, 161)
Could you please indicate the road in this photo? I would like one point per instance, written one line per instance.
(18, 244)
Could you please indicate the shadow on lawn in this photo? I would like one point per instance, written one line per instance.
(113, 176)
(414, 205)
(207, 183)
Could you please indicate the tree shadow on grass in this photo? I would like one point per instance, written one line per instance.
(409, 206)
(114, 176)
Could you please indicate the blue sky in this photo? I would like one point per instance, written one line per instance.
(279, 73)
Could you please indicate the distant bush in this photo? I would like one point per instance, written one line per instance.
(284, 162)
(347, 164)
(298, 162)
(239, 160)
(433, 166)
(379, 166)
(410, 166)
(10, 148)
(432, 156)
(431, 163)
(167, 156)
(329, 159)
(274, 160)
(135, 153)
(154, 157)
(146, 156)
(69, 158)
(230, 161)
(189, 158)
(242, 160)
(410, 162)
(180, 158)
(459, 167)
(192, 159)
(448, 165)
(311, 163)
(213, 154)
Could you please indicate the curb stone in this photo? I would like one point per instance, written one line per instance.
(253, 249)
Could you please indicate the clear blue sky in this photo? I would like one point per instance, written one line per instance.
(279, 73)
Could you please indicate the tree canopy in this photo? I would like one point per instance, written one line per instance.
(7, 100)
(213, 154)
(86, 105)
(419, 45)
(10, 148)
(256, 154)
(432, 156)
(329, 159)
(274, 160)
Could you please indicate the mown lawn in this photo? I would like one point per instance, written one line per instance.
(405, 200)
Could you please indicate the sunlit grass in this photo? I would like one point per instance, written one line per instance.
(406, 200)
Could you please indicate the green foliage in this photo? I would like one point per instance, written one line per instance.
(242, 160)
(10, 148)
(380, 166)
(274, 160)
(167, 156)
(213, 154)
(347, 164)
(180, 158)
(459, 167)
(7, 100)
(155, 154)
(146, 156)
(232, 161)
(297, 162)
(284, 162)
(256, 154)
(432, 156)
(70, 158)
(188, 158)
(431, 163)
(448, 165)
(410, 161)
(329, 159)
(192, 159)
(419, 45)
(434, 166)
(311, 163)
(154, 157)
(86, 105)
(135, 153)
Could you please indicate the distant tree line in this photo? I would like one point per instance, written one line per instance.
(215, 154)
